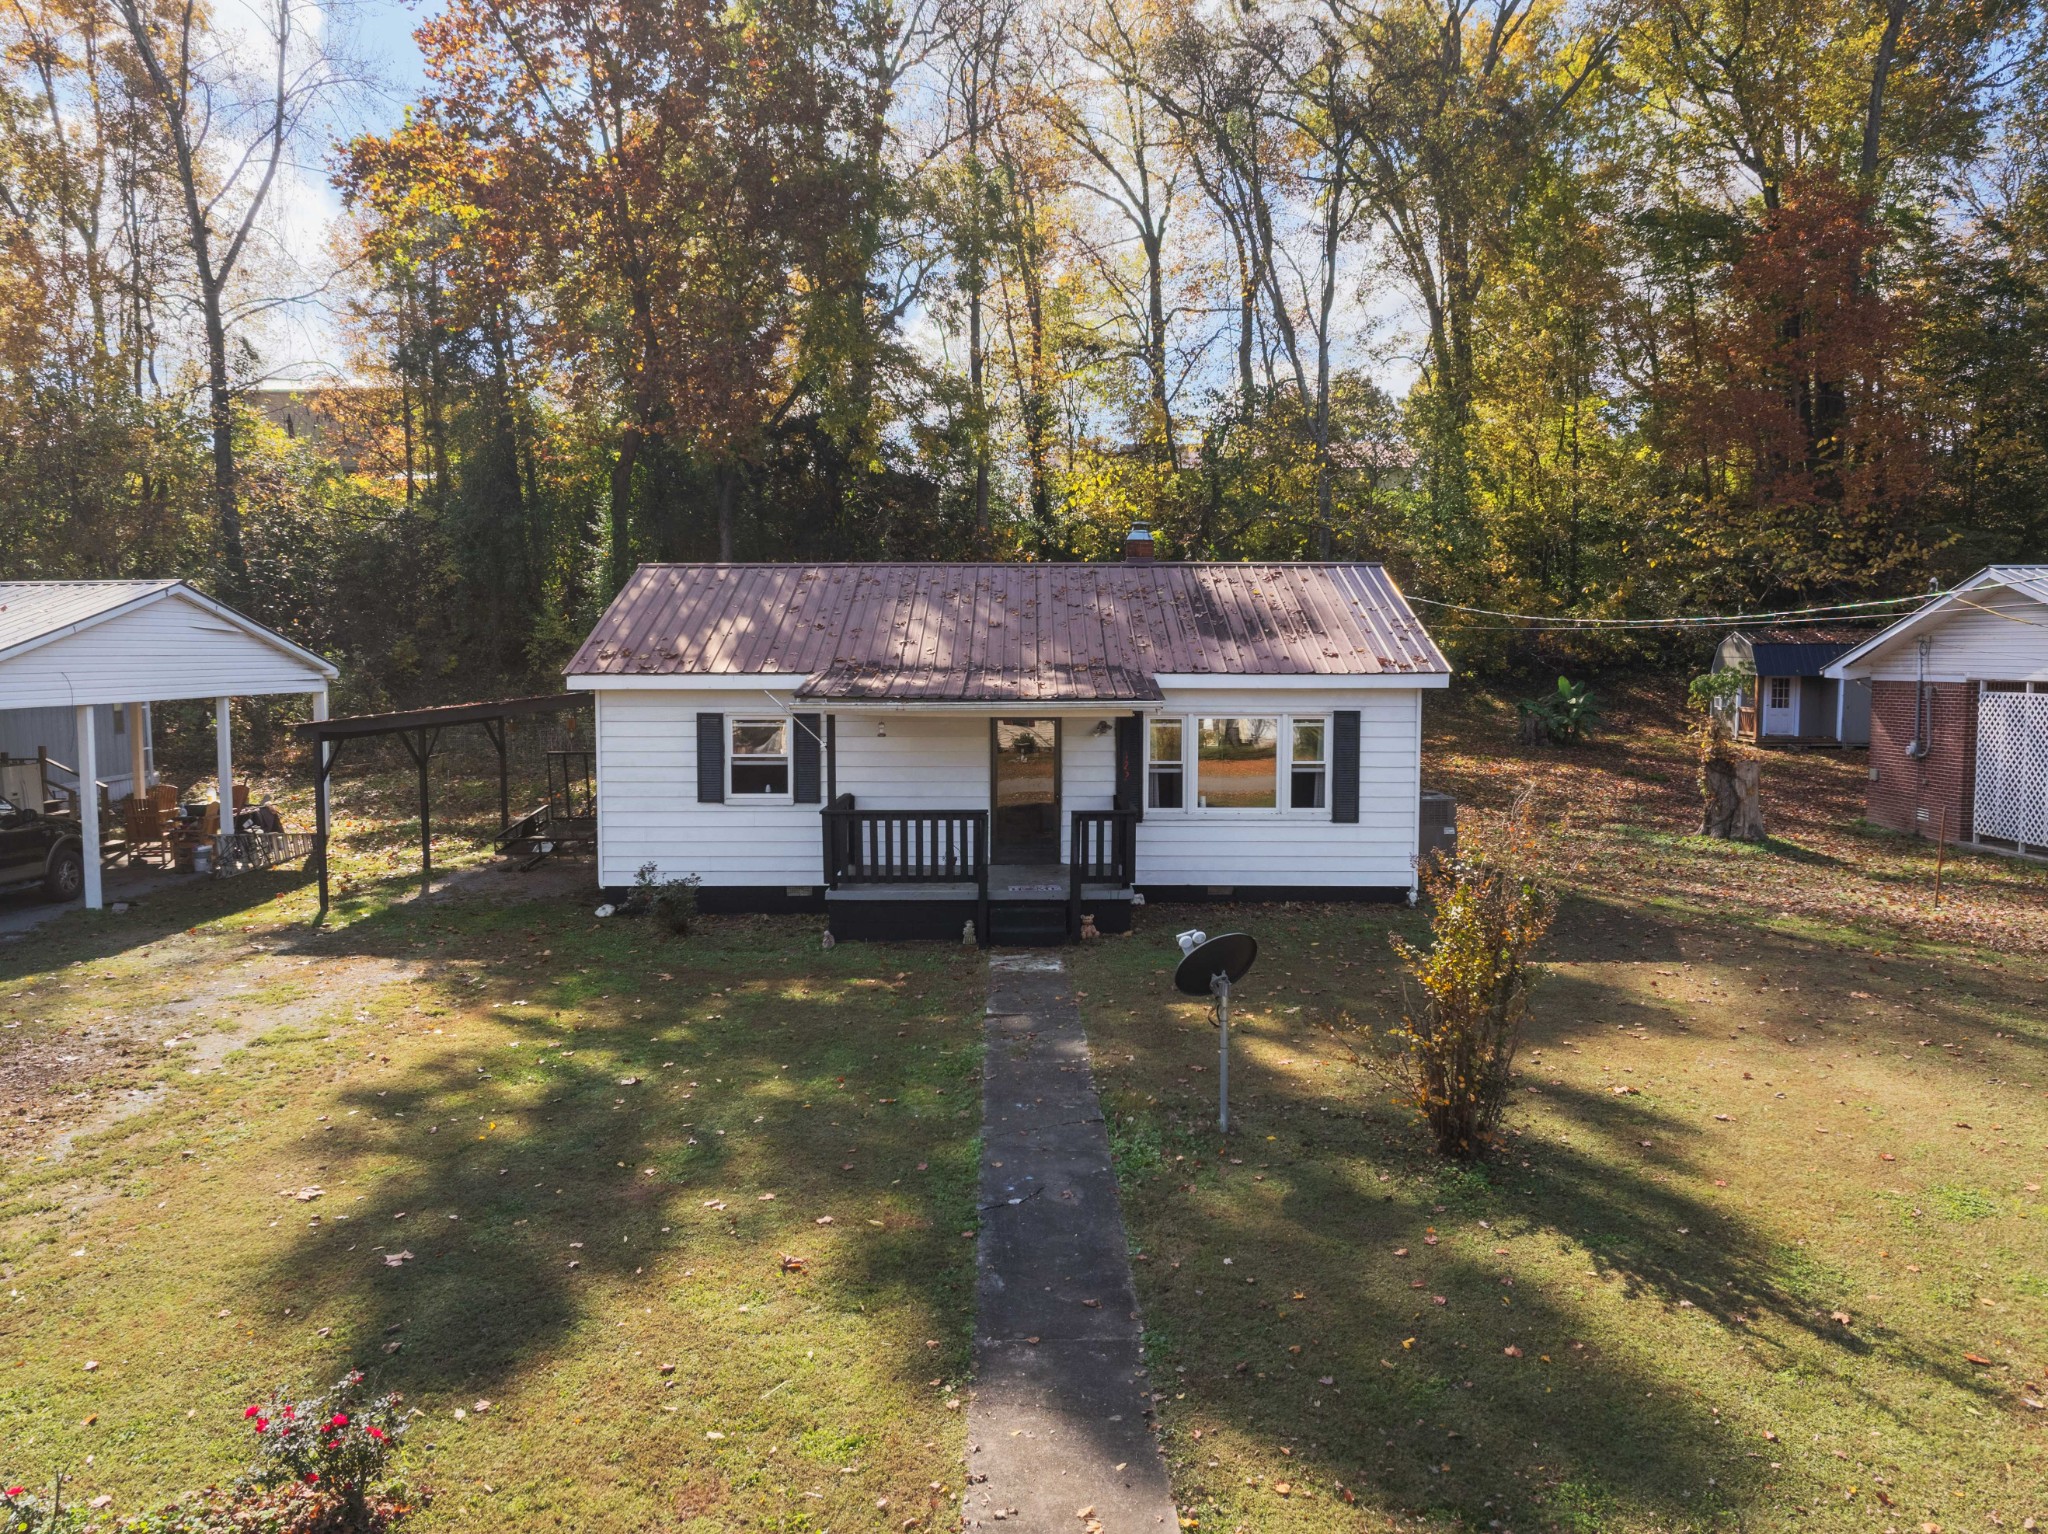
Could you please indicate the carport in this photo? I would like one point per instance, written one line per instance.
(82, 647)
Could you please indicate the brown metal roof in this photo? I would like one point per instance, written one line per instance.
(1006, 632)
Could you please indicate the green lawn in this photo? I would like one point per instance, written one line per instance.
(597, 1143)
(1766, 1089)
(1768, 1250)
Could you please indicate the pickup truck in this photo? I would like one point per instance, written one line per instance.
(40, 851)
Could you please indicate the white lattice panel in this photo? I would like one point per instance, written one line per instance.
(2012, 767)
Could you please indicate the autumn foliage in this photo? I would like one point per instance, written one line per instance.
(1488, 912)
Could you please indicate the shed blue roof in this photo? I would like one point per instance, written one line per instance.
(1795, 659)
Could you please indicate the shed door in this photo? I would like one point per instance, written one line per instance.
(2012, 767)
(1781, 705)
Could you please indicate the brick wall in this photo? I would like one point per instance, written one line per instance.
(1910, 795)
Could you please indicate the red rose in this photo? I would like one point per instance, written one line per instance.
(16, 1491)
(340, 1419)
(312, 1476)
(262, 1423)
(376, 1433)
(252, 1411)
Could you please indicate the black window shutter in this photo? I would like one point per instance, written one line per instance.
(1130, 764)
(1344, 766)
(711, 758)
(805, 757)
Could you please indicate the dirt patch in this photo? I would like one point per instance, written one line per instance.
(121, 1069)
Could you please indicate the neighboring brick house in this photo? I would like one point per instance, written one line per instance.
(1959, 713)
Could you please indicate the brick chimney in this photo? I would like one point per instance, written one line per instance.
(1138, 544)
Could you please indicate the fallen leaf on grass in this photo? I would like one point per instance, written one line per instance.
(1978, 1359)
(792, 1264)
(1512, 1351)
(397, 1259)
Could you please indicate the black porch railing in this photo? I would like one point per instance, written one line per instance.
(1103, 849)
(907, 847)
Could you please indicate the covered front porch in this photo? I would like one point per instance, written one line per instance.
(893, 873)
(938, 820)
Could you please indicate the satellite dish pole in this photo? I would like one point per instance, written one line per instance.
(1220, 984)
(1210, 967)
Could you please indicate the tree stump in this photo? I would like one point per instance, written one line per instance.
(1735, 801)
(1533, 731)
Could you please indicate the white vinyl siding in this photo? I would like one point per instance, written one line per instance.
(2008, 643)
(925, 762)
(1286, 847)
(648, 809)
(170, 648)
(55, 730)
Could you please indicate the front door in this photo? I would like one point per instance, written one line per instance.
(1024, 792)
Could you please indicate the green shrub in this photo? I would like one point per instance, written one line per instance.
(1562, 717)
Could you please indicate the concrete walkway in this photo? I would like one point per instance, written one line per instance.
(1059, 1432)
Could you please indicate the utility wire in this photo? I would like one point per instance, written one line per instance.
(1832, 613)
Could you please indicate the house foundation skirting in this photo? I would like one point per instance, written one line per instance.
(1267, 894)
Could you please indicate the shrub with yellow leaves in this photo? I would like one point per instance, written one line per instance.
(1488, 911)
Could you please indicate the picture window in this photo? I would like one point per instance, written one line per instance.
(1238, 763)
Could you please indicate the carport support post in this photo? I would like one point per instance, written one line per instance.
(138, 757)
(496, 728)
(224, 761)
(89, 805)
(322, 765)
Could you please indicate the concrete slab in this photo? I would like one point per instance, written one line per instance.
(1060, 1428)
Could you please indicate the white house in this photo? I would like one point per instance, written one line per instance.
(81, 662)
(911, 747)
(1959, 713)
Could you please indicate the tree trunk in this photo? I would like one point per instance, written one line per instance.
(1735, 801)
(621, 506)
(227, 507)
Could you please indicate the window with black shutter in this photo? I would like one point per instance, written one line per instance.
(711, 758)
(1344, 766)
(807, 757)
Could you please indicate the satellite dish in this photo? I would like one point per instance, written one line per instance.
(1231, 956)
(1212, 966)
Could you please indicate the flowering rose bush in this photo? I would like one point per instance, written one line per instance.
(339, 1445)
(323, 1466)
(23, 1512)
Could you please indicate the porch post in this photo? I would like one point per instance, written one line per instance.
(322, 763)
(224, 762)
(138, 755)
(89, 805)
(320, 758)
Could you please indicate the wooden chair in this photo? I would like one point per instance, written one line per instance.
(146, 828)
(164, 796)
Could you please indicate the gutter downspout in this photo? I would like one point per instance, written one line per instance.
(1920, 745)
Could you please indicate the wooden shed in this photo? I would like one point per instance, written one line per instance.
(1789, 698)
